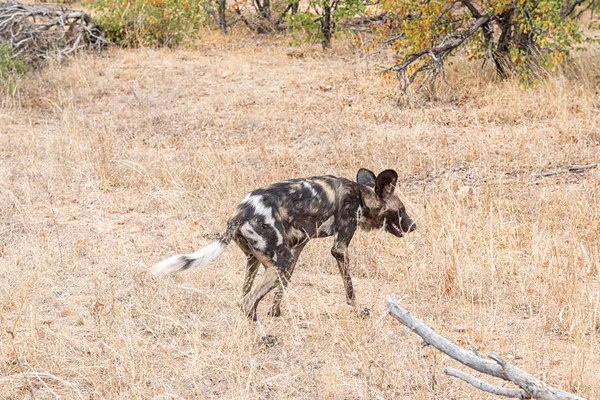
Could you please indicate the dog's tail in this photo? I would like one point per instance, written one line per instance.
(198, 259)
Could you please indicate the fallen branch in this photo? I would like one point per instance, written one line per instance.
(486, 387)
(572, 168)
(530, 386)
(37, 31)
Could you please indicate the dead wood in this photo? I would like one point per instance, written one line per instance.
(486, 387)
(572, 168)
(530, 386)
(39, 31)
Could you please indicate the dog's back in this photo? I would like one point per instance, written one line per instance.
(297, 209)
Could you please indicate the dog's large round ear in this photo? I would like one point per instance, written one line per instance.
(386, 183)
(366, 177)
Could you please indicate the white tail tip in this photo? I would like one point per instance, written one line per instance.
(169, 266)
(199, 259)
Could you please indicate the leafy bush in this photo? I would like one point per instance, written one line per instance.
(11, 66)
(320, 20)
(151, 22)
(522, 36)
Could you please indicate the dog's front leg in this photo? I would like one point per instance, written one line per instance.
(344, 230)
(340, 252)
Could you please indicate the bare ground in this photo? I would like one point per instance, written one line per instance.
(111, 163)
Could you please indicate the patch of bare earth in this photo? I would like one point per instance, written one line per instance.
(113, 162)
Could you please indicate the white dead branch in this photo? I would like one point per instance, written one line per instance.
(37, 31)
(530, 386)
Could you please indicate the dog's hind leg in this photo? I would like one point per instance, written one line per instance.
(277, 269)
(271, 280)
(276, 308)
(278, 266)
(252, 266)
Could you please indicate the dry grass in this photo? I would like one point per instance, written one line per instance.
(111, 163)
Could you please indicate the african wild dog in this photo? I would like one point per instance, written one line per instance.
(273, 224)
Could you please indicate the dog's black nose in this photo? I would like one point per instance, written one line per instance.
(409, 226)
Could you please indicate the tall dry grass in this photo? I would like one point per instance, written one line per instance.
(108, 164)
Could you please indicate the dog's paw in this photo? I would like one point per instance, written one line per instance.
(269, 340)
(274, 312)
(363, 312)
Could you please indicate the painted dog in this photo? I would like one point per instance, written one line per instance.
(273, 224)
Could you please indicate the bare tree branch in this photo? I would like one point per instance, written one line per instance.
(570, 7)
(471, 8)
(532, 386)
(486, 387)
(438, 54)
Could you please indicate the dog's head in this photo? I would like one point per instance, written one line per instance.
(381, 208)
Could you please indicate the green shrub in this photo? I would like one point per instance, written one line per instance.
(11, 66)
(320, 20)
(522, 37)
(151, 22)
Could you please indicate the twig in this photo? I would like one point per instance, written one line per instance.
(473, 347)
(392, 39)
(572, 168)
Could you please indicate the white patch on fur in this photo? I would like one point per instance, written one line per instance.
(246, 198)
(199, 259)
(309, 187)
(359, 216)
(296, 234)
(248, 232)
(266, 212)
(326, 227)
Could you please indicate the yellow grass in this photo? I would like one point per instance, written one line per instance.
(113, 162)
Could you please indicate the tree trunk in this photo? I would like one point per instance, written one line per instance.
(326, 25)
(222, 21)
(501, 53)
(265, 10)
